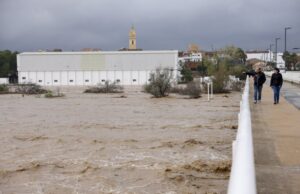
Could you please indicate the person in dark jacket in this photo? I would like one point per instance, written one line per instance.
(259, 78)
(276, 83)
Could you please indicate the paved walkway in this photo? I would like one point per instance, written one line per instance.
(276, 133)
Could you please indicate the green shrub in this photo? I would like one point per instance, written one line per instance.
(220, 79)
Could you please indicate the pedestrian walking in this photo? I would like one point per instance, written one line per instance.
(259, 78)
(276, 83)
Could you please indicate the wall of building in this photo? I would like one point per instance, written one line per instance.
(264, 56)
(72, 78)
(90, 68)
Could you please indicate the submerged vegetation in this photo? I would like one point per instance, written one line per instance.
(4, 89)
(30, 88)
(160, 83)
(107, 87)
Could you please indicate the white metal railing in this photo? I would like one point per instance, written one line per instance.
(242, 176)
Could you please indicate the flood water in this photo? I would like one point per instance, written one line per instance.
(116, 143)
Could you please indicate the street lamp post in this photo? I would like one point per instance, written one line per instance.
(271, 52)
(276, 39)
(285, 29)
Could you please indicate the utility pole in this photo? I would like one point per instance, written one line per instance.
(276, 39)
(285, 29)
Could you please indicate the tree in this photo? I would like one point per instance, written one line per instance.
(220, 75)
(240, 55)
(237, 55)
(203, 67)
(290, 60)
(186, 73)
(8, 63)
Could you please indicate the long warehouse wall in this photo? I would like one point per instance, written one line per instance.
(71, 78)
(90, 68)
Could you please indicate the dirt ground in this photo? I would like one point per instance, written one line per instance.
(105, 143)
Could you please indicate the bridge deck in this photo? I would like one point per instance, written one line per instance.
(276, 133)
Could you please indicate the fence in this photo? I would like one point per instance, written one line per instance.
(242, 177)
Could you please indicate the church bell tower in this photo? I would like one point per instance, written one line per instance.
(132, 39)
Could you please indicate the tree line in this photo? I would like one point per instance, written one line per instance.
(8, 63)
(291, 60)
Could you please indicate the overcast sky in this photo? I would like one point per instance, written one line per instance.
(29, 25)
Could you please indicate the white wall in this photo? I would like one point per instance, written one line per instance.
(72, 78)
(90, 68)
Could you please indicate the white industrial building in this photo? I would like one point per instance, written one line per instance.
(261, 55)
(191, 57)
(268, 56)
(91, 68)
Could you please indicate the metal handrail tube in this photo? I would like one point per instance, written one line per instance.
(242, 177)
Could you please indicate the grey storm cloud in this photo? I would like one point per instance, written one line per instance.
(28, 25)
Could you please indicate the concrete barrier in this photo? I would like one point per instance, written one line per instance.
(242, 177)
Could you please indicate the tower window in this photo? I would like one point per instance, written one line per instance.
(134, 80)
(55, 80)
(71, 80)
(87, 80)
(132, 42)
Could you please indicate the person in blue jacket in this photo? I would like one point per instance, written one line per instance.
(276, 83)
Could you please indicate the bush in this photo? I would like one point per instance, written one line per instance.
(192, 89)
(160, 83)
(4, 89)
(107, 87)
(30, 88)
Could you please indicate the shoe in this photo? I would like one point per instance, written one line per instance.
(255, 102)
(275, 102)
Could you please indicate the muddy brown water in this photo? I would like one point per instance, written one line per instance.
(116, 143)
